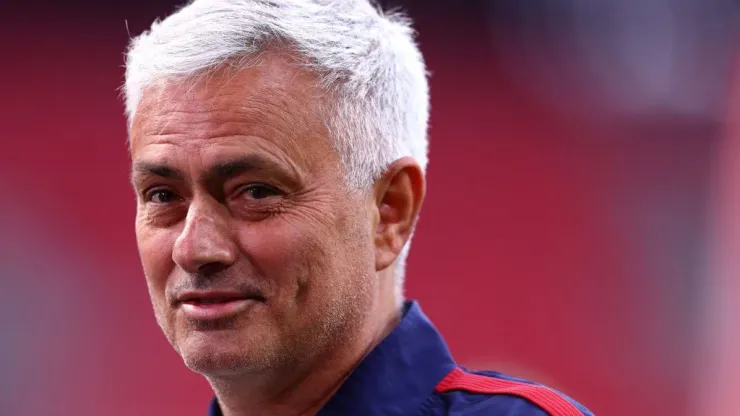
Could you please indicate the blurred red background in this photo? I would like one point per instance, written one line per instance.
(562, 240)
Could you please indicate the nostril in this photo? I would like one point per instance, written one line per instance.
(213, 268)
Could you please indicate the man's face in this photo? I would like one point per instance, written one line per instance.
(256, 254)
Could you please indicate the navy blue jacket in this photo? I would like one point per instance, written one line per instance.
(411, 373)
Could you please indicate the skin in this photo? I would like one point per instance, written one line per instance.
(239, 189)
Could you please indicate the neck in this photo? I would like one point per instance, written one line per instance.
(304, 390)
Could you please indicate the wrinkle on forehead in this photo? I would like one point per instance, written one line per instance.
(235, 102)
(275, 100)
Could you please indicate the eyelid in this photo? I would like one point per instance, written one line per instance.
(250, 185)
(262, 184)
(149, 192)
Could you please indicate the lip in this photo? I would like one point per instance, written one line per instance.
(209, 306)
(213, 311)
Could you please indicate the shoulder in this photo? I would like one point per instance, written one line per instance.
(487, 393)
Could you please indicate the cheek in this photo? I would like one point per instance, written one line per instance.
(309, 255)
(285, 253)
(155, 251)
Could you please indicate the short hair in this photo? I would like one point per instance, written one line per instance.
(365, 58)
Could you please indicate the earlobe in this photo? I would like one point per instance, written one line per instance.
(399, 195)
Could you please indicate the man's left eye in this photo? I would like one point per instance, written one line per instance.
(260, 191)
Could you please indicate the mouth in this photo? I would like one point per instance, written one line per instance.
(210, 306)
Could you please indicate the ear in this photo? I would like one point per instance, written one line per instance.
(399, 193)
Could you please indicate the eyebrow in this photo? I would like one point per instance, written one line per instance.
(155, 169)
(229, 169)
(219, 172)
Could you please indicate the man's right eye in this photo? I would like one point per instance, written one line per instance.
(161, 196)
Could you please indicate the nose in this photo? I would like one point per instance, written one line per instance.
(206, 241)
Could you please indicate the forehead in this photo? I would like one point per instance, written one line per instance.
(273, 100)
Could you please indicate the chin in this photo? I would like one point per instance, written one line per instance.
(218, 365)
(222, 353)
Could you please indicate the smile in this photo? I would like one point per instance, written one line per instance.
(210, 307)
(211, 310)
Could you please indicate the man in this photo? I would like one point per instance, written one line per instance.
(278, 150)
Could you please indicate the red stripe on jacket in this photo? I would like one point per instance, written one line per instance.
(547, 399)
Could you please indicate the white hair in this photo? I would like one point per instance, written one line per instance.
(366, 59)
